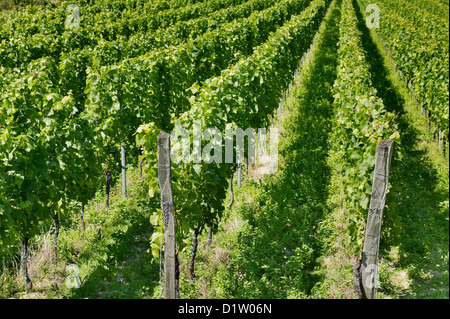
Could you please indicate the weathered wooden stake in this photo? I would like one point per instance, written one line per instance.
(83, 225)
(124, 172)
(107, 188)
(208, 243)
(231, 190)
(429, 120)
(55, 237)
(439, 138)
(369, 262)
(140, 162)
(239, 172)
(24, 265)
(167, 208)
(246, 166)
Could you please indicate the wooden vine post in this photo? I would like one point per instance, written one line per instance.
(167, 208)
(368, 262)
(124, 172)
(239, 172)
(24, 264)
(108, 185)
(83, 225)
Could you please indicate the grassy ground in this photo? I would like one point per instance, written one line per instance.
(284, 236)
(112, 253)
(269, 242)
(415, 247)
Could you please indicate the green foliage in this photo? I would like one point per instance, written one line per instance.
(419, 42)
(70, 97)
(113, 252)
(361, 123)
(56, 125)
(273, 253)
(200, 188)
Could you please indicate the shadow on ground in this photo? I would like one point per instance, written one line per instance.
(416, 218)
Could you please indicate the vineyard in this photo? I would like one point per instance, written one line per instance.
(87, 87)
